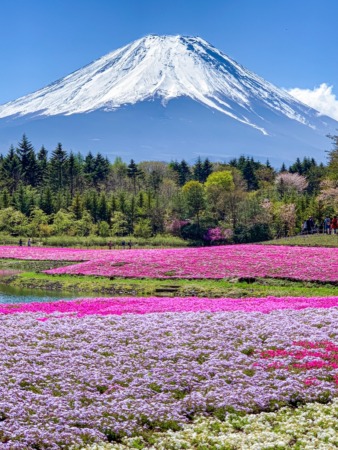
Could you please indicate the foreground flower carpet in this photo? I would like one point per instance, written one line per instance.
(171, 373)
(69, 380)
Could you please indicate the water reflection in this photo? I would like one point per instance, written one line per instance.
(9, 294)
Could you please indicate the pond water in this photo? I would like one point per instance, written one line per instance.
(13, 295)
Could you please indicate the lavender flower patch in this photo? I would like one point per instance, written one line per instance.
(75, 381)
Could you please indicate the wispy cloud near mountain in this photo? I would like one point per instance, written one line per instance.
(320, 98)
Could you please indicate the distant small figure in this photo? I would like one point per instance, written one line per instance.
(20, 242)
(123, 243)
(310, 225)
(304, 227)
(334, 224)
(29, 242)
(129, 244)
(110, 244)
(327, 225)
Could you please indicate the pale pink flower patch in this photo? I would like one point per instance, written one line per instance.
(299, 263)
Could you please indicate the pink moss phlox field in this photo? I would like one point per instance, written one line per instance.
(69, 382)
(299, 263)
(139, 305)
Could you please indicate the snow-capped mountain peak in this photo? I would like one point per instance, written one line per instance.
(161, 67)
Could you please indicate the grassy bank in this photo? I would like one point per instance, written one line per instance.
(315, 240)
(181, 288)
(97, 241)
(31, 277)
(28, 265)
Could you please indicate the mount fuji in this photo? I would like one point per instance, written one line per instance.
(168, 97)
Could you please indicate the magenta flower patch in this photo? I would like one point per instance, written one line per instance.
(142, 305)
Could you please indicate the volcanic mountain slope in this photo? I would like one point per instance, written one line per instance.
(167, 97)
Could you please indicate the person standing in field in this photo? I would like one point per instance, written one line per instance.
(310, 225)
(29, 242)
(327, 225)
(334, 225)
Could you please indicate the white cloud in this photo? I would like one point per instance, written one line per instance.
(320, 98)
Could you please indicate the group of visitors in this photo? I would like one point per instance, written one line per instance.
(124, 244)
(330, 226)
(29, 242)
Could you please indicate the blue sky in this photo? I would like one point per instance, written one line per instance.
(291, 43)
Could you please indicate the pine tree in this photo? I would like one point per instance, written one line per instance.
(133, 173)
(5, 199)
(46, 201)
(140, 201)
(296, 167)
(58, 168)
(101, 169)
(103, 210)
(89, 168)
(74, 171)
(207, 169)
(198, 171)
(11, 170)
(77, 207)
(94, 207)
(31, 204)
(242, 160)
(43, 170)
(28, 163)
(184, 173)
(131, 214)
(249, 174)
(21, 200)
(87, 201)
(175, 166)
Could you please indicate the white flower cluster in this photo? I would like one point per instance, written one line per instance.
(310, 427)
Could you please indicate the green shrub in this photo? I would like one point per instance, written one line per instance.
(252, 233)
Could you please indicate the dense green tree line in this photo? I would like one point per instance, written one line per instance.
(53, 193)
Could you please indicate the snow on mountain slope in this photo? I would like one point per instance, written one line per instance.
(165, 68)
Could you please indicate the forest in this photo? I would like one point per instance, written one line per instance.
(58, 193)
